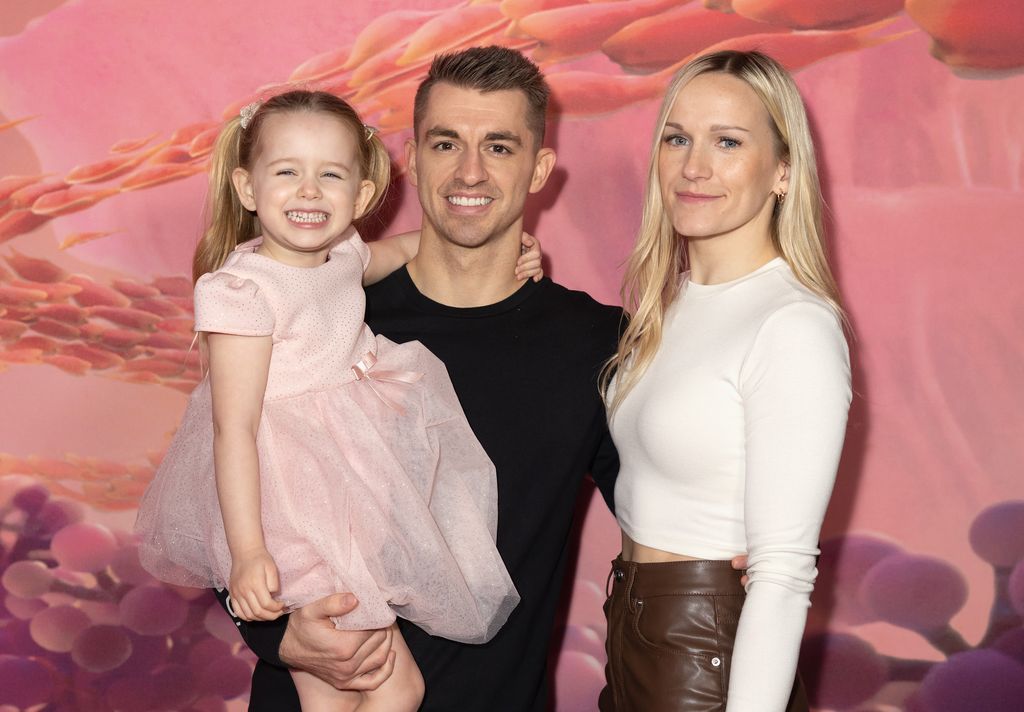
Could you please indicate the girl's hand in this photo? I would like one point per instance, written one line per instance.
(253, 580)
(529, 263)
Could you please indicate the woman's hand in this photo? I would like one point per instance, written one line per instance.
(253, 581)
(529, 263)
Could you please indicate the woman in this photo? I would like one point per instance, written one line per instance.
(727, 400)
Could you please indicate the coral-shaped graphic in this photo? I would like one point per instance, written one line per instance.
(83, 628)
(867, 579)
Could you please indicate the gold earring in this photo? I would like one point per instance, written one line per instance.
(781, 197)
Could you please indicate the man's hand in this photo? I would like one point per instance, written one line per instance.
(347, 659)
(740, 563)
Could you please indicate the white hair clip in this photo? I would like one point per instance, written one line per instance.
(370, 131)
(246, 114)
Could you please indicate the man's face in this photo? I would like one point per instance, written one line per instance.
(473, 163)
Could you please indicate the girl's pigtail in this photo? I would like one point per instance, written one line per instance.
(378, 168)
(230, 223)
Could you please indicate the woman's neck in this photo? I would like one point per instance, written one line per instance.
(716, 261)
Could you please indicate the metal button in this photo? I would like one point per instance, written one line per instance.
(619, 574)
(715, 662)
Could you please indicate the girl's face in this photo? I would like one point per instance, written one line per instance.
(718, 165)
(305, 185)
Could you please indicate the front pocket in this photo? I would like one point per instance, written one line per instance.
(684, 624)
(667, 677)
(676, 640)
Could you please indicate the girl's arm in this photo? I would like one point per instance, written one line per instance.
(391, 253)
(238, 378)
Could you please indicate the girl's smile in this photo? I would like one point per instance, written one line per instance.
(305, 186)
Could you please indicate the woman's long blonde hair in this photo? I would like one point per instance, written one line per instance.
(651, 281)
(230, 223)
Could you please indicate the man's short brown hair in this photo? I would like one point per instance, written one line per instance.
(487, 69)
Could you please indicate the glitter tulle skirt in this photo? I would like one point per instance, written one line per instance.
(374, 487)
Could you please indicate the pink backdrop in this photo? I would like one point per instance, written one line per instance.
(106, 113)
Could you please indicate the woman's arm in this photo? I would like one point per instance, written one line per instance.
(238, 378)
(795, 385)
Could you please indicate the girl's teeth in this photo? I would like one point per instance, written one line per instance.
(465, 202)
(297, 216)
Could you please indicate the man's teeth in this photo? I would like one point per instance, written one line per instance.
(297, 216)
(466, 202)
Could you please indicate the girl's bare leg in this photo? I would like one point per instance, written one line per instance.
(402, 692)
(315, 695)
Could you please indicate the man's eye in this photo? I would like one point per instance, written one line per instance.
(444, 146)
(500, 149)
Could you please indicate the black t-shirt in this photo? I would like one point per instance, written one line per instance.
(525, 370)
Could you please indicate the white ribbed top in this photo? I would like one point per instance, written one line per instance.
(730, 443)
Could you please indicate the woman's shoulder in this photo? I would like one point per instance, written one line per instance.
(784, 295)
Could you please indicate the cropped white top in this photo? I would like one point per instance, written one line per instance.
(730, 442)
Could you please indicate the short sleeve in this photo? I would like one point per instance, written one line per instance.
(228, 304)
(362, 249)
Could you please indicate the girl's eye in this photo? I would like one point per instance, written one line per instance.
(286, 172)
(332, 175)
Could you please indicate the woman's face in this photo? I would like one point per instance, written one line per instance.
(718, 164)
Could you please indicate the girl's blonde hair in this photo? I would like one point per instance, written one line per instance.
(651, 280)
(237, 146)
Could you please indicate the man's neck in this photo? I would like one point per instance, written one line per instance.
(463, 276)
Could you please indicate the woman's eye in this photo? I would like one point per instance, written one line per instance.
(676, 140)
(728, 142)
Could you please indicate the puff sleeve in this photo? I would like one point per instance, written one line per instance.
(228, 304)
(362, 249)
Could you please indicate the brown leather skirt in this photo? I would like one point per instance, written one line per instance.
(671, 629)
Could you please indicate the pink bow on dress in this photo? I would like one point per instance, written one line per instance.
(365, 372)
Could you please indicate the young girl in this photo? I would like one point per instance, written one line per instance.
(318, 458)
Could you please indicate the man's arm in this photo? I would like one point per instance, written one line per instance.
(604, 468)
(307, 640)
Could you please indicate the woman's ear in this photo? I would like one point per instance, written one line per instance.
(782, 178)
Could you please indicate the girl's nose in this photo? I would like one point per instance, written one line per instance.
(309, 189)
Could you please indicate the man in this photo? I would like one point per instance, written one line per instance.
(524, 359)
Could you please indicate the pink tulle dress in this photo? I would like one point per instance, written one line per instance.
(371, 480)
